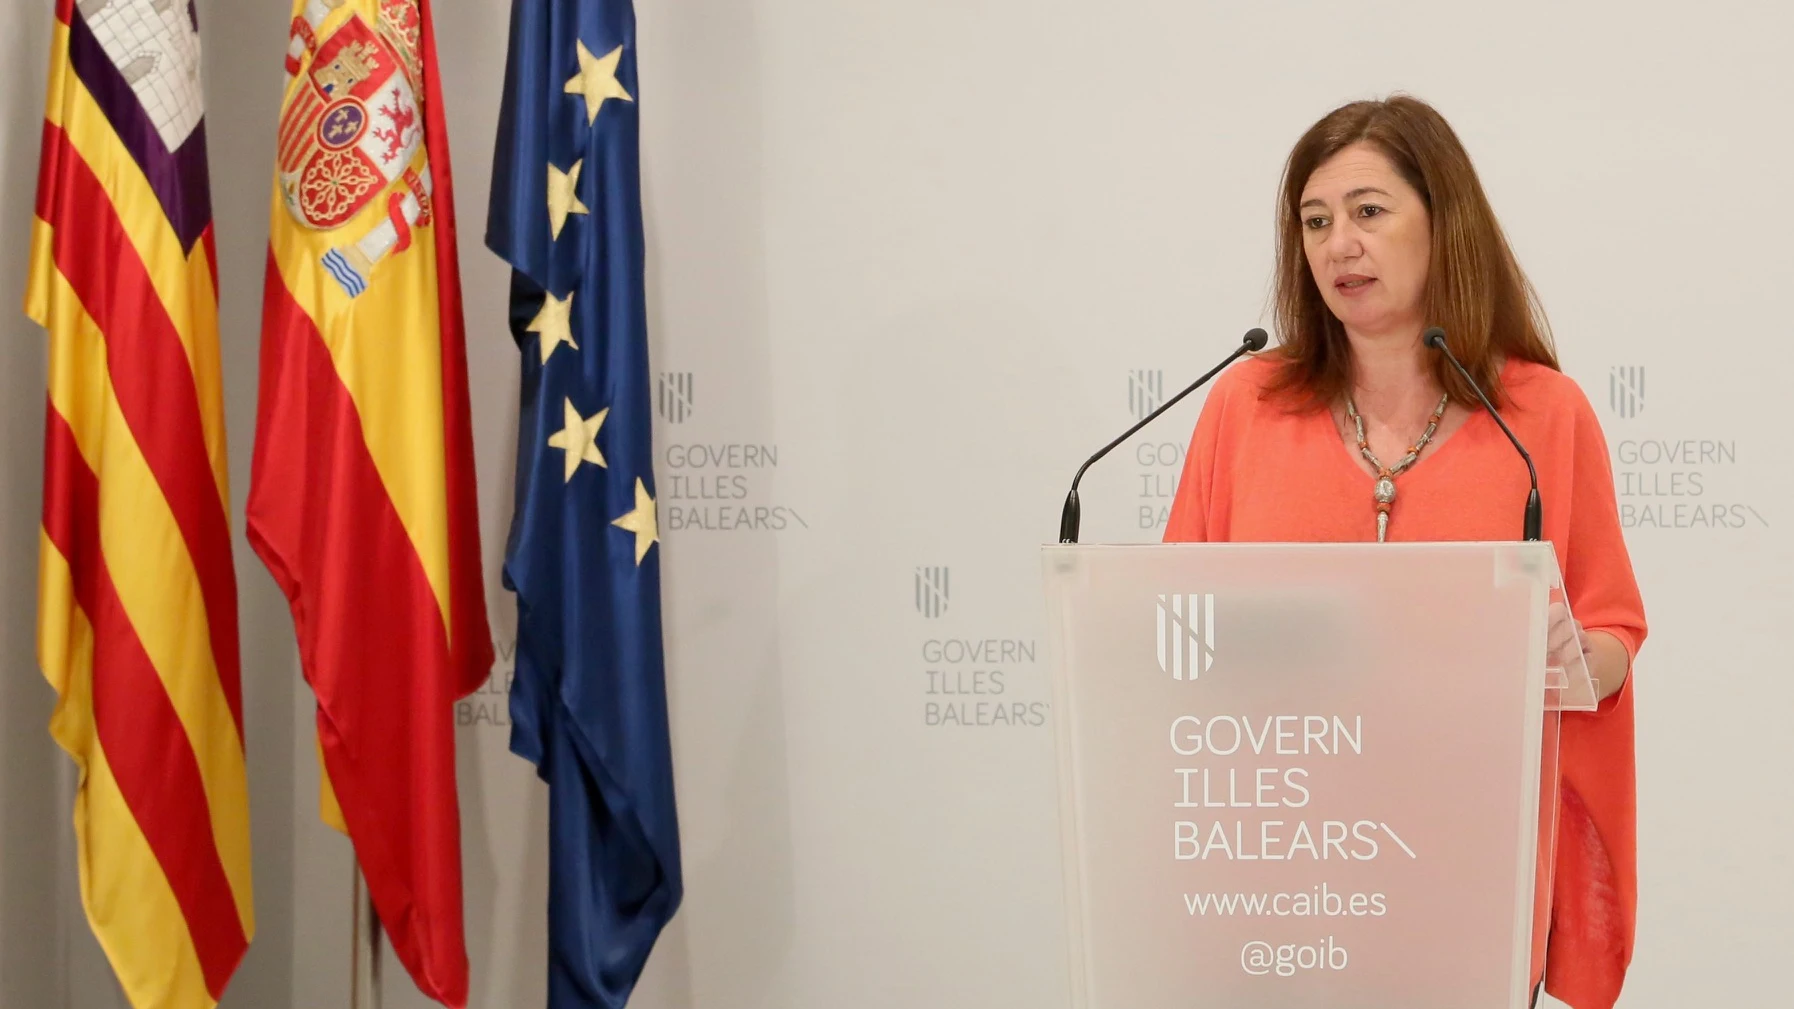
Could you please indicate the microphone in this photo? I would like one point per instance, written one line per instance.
(1434, 337)
(1254, 341)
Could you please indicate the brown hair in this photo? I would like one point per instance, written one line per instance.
(1475, 288)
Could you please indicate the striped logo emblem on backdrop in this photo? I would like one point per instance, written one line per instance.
(1145, 391)
(931, 591)
(1625, 390)
(674, 396)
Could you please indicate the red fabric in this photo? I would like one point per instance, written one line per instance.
(1259, 472)
(371, 641)
(139, 729)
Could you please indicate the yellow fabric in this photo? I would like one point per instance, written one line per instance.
(328, 809)
(385, 342)
(128, 902)
(147, 558)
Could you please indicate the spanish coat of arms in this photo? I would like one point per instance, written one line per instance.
(351, 129)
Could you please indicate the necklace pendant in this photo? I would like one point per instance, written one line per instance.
(1382, 527)
(1385, 491)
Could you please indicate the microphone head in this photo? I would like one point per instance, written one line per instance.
(1256, 339)
(1434, 337)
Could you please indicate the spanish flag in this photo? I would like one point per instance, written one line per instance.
(362, 500)
(137, 622)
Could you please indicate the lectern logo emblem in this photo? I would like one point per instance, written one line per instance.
(931, 591)
(1145, 391)
(1625, 390)
(674, 396)
(1186, 635)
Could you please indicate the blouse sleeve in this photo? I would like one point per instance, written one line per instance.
(1188, 521)
(1598, 575)
(1595, 894)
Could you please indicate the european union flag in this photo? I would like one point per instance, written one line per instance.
(588, 703)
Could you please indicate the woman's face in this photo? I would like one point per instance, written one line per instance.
(1368, 239)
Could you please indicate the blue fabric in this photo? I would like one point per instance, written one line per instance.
(588, 701)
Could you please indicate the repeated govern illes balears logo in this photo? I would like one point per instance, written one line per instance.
(973, 676)
(1186, 635)
(714, 479)
(1678, 479)
(931, 591)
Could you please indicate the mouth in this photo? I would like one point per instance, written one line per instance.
(1352, 283)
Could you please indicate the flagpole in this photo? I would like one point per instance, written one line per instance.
(364, 956)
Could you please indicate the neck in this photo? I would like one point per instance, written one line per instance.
(1391, 374)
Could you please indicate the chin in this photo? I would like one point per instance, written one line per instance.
(1365, 318)
(1354, 316)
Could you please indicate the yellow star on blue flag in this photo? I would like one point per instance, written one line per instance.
(588, 698)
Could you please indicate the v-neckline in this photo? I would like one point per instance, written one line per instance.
(1348, 451)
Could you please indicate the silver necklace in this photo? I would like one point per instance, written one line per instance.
(1384, 493)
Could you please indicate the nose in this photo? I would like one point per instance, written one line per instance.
(1344, 241)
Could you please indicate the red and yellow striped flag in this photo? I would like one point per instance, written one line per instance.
(362, 500)
(137, 622)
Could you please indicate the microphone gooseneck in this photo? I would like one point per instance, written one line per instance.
(1070, 516)
(1534, 522)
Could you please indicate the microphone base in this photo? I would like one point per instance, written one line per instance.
(1069, 518)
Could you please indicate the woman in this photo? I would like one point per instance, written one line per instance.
(1352, 429)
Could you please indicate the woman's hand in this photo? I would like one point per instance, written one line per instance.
(1565, 639)
(1606, 657)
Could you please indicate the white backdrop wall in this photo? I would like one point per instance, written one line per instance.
(33, 834)
(909, 263)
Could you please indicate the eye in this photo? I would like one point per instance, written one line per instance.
(1314, 223)
(1370, 210)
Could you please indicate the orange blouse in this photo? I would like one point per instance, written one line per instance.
(1257, 471)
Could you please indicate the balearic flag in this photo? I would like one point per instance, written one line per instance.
(137, 620)
(588, 702)
(362, 499)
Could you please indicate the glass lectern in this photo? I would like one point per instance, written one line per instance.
(1306, 776)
